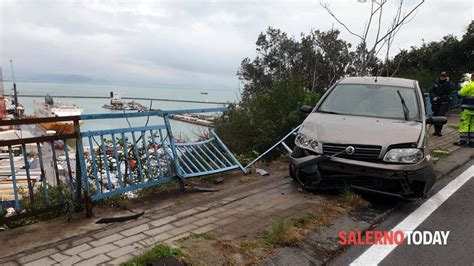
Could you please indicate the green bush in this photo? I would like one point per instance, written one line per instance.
(57, 196)
(256, 124)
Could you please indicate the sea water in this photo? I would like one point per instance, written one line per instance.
(94, 106)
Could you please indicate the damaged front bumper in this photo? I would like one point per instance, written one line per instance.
(324, 172)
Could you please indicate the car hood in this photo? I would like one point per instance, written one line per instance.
(345, 129)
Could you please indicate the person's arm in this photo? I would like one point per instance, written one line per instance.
(432, 94)
(446, 93)
(434, 97)
(450, 88)
(467, 89)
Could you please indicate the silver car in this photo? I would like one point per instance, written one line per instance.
(368, 133)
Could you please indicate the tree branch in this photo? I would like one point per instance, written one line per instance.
(400, 22)
(325, 6)
(399, 63)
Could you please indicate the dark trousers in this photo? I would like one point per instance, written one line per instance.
(439, 109)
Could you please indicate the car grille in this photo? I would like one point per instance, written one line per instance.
(362, 152)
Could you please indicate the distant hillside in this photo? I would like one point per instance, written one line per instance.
(58, 78)
(66, 78)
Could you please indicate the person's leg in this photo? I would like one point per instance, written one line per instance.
(470, 134)
(464, 128)
(443, 109)
(435, 108)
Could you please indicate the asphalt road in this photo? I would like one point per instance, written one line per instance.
(450, 212)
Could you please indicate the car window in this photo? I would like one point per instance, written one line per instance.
(371, 100)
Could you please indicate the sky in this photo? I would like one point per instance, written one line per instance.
(191, 44)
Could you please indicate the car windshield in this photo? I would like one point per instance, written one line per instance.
(372, 100)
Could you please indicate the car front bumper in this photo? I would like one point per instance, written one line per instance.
(405, 180)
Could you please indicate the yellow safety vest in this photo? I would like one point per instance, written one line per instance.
(467, 90)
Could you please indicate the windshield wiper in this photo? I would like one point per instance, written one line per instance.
(406, 112)
(329, 112)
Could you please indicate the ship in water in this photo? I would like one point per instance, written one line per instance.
(49, 108)
(116, 103)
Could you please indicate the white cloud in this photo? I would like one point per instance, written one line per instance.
(181, 42)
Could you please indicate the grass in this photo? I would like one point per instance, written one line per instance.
(281, 232)
(440, 154)
(156, 252)
(308, 219)
(456, 127)
(206, 236)
(351, 199)
(248, 245)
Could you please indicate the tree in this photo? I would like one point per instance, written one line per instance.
(318, 59)
(256, 124)
(367, 51)
(424, 63)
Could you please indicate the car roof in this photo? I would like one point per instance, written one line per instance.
(387, 81)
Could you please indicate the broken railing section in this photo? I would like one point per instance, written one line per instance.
(280, 142)
(117, 161)
(101, 163)
(205, 157)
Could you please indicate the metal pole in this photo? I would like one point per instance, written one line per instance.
(273, 147)
(15, 95)
(173, 150)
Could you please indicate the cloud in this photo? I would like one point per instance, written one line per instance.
(180, 43)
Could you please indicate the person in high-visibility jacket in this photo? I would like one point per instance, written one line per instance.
(466, 126)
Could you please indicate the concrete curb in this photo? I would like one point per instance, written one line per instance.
(322, 246)
(449, 164)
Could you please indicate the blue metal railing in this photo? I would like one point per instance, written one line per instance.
(210, 157)
(25, 188)
(111, 161)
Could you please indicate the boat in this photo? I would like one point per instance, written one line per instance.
(9, 106)
(51, 109)
(116, 102)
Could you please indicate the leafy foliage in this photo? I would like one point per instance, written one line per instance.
(317, 60)
(289, 72)
(424, 63)
(259, 122)
(60, 195)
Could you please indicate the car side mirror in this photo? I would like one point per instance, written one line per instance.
(437, 120)
(306, 109)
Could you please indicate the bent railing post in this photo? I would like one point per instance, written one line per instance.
(281, 141)
(174, 152)
(81, 183)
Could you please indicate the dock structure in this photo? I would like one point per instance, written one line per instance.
(206, 121)
(128, 98)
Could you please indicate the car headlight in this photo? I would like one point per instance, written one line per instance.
(306, 142)
(404, 155)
